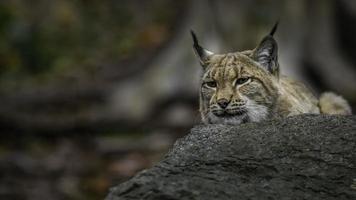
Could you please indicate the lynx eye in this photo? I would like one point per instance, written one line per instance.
(211, 84)
(241, 81)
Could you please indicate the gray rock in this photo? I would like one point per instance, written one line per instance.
(301, 157)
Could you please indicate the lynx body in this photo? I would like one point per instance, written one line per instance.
(246, 86)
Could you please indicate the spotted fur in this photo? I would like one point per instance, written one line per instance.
(246, 86)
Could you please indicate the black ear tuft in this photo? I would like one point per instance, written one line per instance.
(266, 54)
(195, 39)
(274, 28)
(200, 51)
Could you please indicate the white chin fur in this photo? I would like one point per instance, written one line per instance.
(255, 113)
(234, 120)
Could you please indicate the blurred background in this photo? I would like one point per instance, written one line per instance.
(92, 92)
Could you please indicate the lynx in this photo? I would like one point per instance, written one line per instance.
(247, 86)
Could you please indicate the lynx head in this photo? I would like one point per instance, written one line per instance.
(238, 87)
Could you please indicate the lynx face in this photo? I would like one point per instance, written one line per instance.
(234, 89)
(238, 87)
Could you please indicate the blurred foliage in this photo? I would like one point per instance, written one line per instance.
(48, 40)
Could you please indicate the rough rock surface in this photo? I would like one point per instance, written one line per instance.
(302, 157)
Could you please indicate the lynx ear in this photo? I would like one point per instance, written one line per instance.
(266, 54)
(202, 53)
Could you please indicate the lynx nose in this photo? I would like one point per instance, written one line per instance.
(223, 103)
